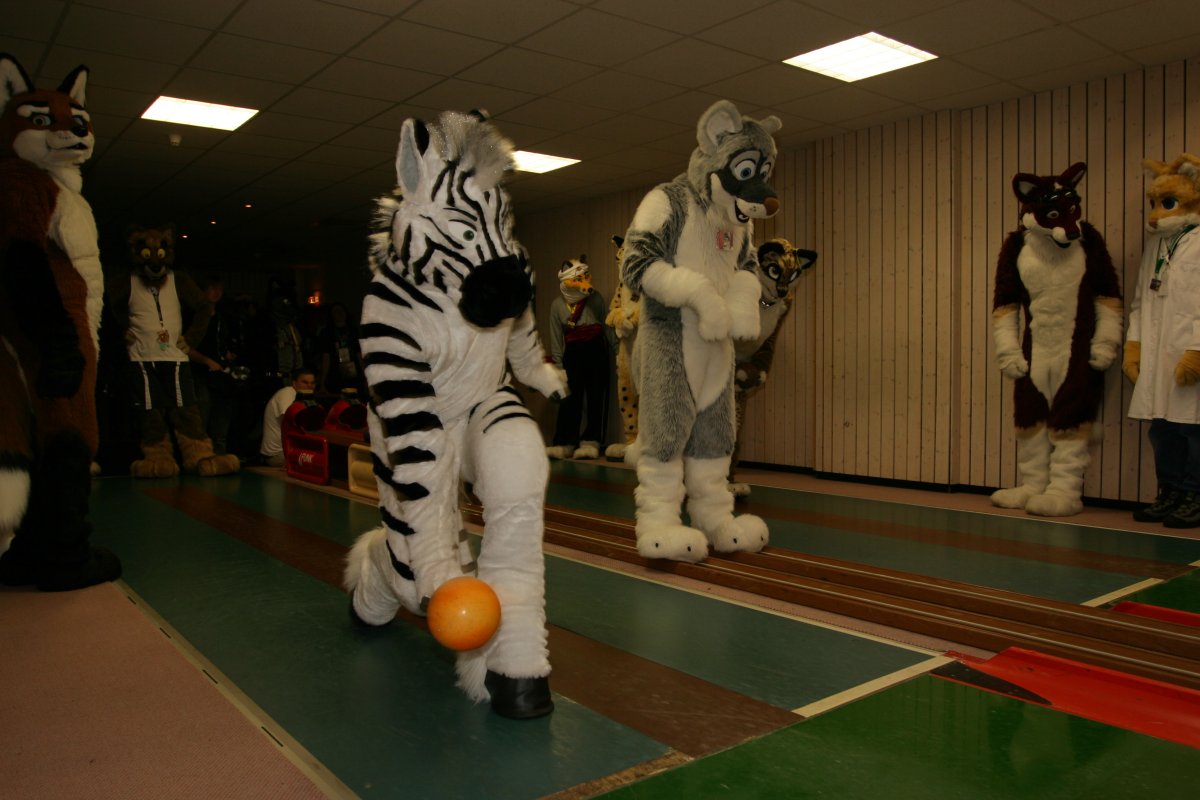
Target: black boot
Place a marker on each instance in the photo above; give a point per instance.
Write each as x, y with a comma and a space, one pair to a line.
519, 698
1186, 514
1168, 498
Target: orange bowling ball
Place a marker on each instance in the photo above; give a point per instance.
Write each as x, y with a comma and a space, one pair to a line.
463, 613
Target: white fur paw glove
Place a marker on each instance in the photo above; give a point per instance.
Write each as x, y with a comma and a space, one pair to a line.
1102, 355
1013, 365
715, 321
551, 380
744, 292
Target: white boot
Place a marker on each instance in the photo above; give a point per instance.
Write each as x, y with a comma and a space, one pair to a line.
560, 451
1033, 469
587, 450
659, 497
615, 451
710, 506
1068, 463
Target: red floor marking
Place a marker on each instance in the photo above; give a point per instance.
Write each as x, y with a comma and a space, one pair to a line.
1138, 704
1158, 612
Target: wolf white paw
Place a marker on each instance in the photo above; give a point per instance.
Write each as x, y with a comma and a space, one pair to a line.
615, 451
587, 450
560, 451
746, 532
1016, 497
674, 542
1053, 504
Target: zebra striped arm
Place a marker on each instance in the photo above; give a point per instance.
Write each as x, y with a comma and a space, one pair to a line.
528, 359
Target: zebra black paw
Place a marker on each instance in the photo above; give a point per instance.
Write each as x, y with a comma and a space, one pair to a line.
519, 698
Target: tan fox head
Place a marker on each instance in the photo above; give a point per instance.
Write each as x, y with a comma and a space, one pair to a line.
1174, 193
48, 127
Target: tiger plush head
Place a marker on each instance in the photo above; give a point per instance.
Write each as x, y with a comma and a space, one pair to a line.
49, 128
1050, 204
779, 266
448, 229
733, 162
1174, 193
151, 252
575, 279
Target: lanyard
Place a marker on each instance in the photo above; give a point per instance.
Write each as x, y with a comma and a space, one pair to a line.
1163, 259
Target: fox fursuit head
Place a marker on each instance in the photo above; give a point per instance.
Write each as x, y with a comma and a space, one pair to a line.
689, 256
447, 313
51, 291
1056, 271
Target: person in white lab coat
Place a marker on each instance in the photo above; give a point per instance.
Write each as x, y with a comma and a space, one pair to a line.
1162, 350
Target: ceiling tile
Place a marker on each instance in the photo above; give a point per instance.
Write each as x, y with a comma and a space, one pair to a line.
1034, 53
122, 34
154, 135
598, 38
107, 100
243, 141
388, 8
772, 85
619, 91
1076, 73
287, 126
405, 44
692, 63
371, 79
639, 158
524, 69
881, 117
304, 23
683, 108
241, 163
162, 153
574, 145
106, 69
781, 30
1070, 10
631, 129
869, 14
364, 138
32, 20
394, 117
456, 95
483, 18
305, 102
1164, 52
209, 14
927, 81
555, 115
1140, 25
254, 58
966, 26
838, 105
984, 95
235, 90
27, 52
347, 156
681, 16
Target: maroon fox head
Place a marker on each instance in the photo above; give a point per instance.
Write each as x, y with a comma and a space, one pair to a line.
1050, 204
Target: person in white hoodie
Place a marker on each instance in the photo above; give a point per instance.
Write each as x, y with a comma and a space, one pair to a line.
1162, 349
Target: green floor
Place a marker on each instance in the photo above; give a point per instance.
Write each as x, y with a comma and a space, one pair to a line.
379, 709
1181, 594
931, 738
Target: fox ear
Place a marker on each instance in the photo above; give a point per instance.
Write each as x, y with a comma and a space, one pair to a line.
75, 85
806, 258
1157, 167
618, 240
722, 117
1024, 184
410, 165
13, 79
1073, 174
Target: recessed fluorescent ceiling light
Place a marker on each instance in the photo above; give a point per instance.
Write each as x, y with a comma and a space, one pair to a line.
540, 162
194, 112
860, 57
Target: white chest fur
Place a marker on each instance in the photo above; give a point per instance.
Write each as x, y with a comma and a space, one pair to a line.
73, 228
1052, 276
710, 248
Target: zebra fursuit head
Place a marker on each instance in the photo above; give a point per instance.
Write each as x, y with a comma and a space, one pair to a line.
447, 229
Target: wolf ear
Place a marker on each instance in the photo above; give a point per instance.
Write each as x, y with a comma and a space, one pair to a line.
13, 79
75, 85
721, 118
410, 166
770, 124
1073, 174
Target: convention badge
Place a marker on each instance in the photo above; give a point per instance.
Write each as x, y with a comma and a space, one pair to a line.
164, 339
724, 240
1161, 288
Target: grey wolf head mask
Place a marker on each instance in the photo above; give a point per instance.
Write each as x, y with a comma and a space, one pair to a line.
733, 162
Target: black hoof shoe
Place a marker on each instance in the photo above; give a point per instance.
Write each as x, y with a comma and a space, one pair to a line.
519, 698
100, 566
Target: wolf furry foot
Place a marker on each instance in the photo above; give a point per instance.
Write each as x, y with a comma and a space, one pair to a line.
674, 542
1052, 504
746, 532
1016, 497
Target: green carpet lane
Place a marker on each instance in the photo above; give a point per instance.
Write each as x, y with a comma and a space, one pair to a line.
931, 738
1038, 578
790, 664
1181, 594
377, 707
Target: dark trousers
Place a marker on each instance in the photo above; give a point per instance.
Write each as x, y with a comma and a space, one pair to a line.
587, 369
1176, 454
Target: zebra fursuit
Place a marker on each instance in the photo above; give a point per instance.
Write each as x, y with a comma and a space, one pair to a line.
447, 312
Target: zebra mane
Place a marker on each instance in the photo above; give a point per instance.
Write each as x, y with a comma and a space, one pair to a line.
379, 242
475, 144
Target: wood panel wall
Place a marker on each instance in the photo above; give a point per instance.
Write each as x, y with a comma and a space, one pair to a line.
885, 366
